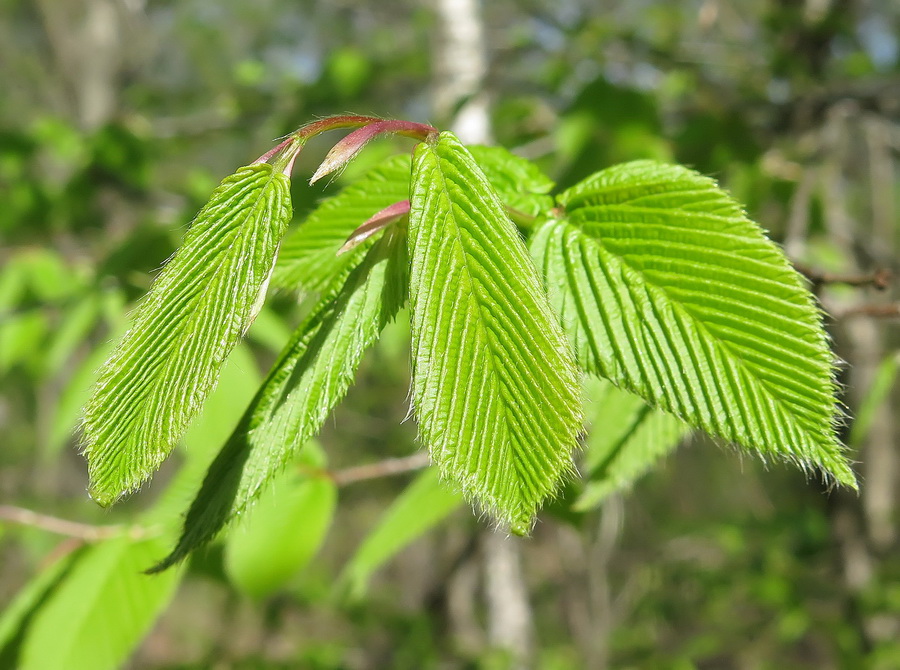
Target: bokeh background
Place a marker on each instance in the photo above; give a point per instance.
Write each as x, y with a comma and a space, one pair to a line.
118, 117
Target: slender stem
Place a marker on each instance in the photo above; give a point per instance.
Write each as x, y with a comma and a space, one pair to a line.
386, 468
52, 524
88, 533
880, 279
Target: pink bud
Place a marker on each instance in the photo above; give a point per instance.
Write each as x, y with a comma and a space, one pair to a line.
377, 222
344, 151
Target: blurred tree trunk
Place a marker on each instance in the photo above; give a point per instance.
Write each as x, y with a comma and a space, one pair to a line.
88, 40
460, 60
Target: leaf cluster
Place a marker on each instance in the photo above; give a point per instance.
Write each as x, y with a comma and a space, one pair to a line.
645, 275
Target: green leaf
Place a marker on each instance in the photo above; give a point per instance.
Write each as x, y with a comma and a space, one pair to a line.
625, 440
100, 611
311, 376
308, 261
19, 613
281, 533
667, 289
423, 504
495, 389
195, 313
221, 413
519, 182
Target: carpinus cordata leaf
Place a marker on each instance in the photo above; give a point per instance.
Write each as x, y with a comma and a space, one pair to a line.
195, 313
495, 387
311, 376
670, 291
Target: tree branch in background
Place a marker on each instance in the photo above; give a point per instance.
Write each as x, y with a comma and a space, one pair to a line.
879, 279
386, 468
82, 531
86, 532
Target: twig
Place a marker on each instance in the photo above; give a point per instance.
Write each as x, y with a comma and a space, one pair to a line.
52, 524
880, 279
888, 311
385, 468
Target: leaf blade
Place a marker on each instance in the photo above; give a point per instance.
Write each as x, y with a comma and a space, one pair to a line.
309, 261
667, 289
495, 391
311, 376
195, 313
625, 440
102, 609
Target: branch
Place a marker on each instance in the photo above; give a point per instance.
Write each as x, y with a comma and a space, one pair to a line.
52, 524
880, 279
888, 311
385, 468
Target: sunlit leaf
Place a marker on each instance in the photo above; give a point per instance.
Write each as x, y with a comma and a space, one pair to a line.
310, 378
195, 313
495, 389
667, 289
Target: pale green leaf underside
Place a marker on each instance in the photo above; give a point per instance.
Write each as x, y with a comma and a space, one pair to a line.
422, 505
308, 260
667, 289
626, 438
495, 389
194, 314
311, 376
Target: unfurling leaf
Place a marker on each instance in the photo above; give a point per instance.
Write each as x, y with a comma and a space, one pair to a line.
495, 389
195, 313
667, 289
309, 260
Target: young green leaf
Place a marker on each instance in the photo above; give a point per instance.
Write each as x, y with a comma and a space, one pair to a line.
103, 608
626, 438
195, 313
281, 533
423, 504
309, 379
495, 389
309, 260
518, 181
667, 289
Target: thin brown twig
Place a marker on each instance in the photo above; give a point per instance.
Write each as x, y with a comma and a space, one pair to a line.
386, 468
887, 311
89, 533
52, 524
879, 279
